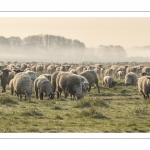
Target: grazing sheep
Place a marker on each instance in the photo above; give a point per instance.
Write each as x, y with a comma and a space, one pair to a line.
131, 79
144, 86
23, 66
69, 84
120, 74
4, 79
48, 76
64, 68
109, 72
85, 85
102, 70
39, 68
41, 86
146, 70
11, 86
32, 75
53, 80
97, 71
109, 81
91, 76
73, 71
51, 69
131, 69
79, 69
33, 68
22, 84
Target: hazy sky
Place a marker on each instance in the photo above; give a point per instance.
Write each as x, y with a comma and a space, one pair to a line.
93, 32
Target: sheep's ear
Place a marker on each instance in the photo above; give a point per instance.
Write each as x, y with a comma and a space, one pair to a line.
148, 77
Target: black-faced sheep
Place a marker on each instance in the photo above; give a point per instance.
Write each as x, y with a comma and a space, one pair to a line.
4, 79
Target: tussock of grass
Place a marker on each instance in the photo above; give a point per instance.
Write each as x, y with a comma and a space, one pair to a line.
59, 117
7, 100
32, 112
57, 108
91, 102
93, 113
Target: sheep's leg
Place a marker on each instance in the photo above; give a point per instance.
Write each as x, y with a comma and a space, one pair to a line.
143, 94
89, 88
36, 94
41, 95
12, 91
97, 87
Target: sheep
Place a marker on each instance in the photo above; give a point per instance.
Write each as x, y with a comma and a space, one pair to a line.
64, 68
120, 74
53, 80
48, 76
109, 81
79, 69
22, 84
42, 85
97, 71
32, 74
102, 70
51, 69
144, 86
109, 72
131, 79
11, 86
33, 68
85, 85
131, 69
73, 71
23, 66
39, 68
4, 79
146, 70
69, 84
91, 76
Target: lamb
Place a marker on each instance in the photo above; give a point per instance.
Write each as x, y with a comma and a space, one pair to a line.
70, 84
91, 76
42, 85
4, 79
109, 81
22, 84
144, 86
131, 79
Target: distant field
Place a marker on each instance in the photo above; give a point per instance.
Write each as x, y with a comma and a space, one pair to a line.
120, 109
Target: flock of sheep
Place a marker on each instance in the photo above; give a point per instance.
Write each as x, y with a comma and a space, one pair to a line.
73, 79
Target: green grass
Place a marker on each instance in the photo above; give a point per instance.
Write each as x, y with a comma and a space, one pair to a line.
114, 110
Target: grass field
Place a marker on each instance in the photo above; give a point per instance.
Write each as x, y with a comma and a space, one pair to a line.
119, 109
